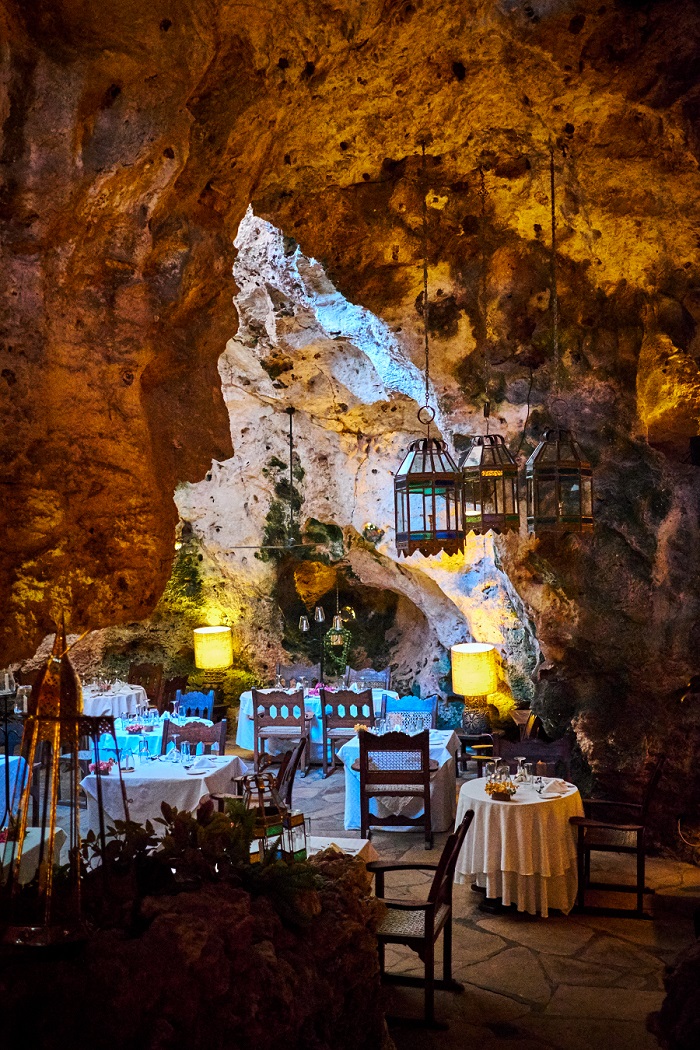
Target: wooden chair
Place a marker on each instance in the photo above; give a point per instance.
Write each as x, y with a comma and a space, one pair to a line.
171, 687
528, 723
150, 676
194, 704
418, 924
341, 711
295, 672
368, 678
395, 765
195, 733
474, 748
284, 777
279, 716
619, 827
556, 753
412, 705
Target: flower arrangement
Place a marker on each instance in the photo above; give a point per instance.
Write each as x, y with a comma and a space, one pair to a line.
103, 768
360, 727
135, 728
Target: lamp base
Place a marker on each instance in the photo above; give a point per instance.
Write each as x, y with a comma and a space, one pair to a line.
475, 716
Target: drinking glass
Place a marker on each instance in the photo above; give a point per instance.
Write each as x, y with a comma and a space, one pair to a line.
186, 754
528, 772
144, 753
278, 681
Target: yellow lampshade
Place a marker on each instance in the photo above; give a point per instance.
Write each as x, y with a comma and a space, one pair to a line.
213, 648
474, 670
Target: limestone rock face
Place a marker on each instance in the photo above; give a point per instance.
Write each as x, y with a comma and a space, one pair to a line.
134, 146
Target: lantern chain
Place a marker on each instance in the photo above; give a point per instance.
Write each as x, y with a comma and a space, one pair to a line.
424, 193
554, 299
484, 304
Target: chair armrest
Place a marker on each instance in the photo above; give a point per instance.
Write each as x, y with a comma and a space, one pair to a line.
586, 822
406, 905
609, 802
380, 865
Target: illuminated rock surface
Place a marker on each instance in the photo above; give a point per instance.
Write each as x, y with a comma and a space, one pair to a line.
134, 146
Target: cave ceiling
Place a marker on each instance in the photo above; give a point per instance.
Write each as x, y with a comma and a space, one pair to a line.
134, 143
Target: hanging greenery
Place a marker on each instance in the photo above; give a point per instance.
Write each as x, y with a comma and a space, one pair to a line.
336, 656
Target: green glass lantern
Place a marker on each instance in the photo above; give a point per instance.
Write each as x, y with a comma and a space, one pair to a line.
559, 486
428, 500
489, 486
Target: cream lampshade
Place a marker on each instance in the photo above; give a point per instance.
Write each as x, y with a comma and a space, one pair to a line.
213, 648
474, 670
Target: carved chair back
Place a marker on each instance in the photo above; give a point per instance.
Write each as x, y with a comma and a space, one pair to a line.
554, 752
368, 678
171, 686
150, 676
345, 708
195, 733
194, 704
295, 672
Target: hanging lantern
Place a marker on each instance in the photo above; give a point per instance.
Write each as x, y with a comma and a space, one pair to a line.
428, 500
489, 486
277, 832
559, 486
427, 485
336, 635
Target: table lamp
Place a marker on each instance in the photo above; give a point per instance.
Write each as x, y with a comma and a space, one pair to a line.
213, 653
474, 676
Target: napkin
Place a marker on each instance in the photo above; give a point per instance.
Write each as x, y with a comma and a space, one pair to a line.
555, 787
201, 765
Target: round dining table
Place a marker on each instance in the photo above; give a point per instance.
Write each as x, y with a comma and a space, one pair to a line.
522, 851
120, 700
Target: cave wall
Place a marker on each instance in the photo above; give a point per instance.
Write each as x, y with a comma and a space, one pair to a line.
132, 149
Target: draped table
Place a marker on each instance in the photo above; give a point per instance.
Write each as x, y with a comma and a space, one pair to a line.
158, 781
124, 701
17, 778
30, 853
244, 732
444, 745
524, 850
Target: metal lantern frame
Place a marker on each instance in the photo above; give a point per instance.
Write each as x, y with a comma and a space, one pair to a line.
559, 486
489, 486
277, 830
428, 500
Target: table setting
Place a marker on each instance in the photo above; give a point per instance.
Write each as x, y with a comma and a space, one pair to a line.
521, 848
443, 744
116, 699
141, 732
312, 704
180, 778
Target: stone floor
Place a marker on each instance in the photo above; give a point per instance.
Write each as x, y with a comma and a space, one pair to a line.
562, 983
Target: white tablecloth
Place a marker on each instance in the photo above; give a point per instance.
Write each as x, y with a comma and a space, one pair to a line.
244, 733
30, 853
523, 851
154, 782
18, 778
444, 745
124, 702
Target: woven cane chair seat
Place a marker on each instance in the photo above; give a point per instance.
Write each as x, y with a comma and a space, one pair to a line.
399, 923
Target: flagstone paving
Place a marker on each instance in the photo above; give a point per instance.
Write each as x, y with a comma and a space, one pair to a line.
563, 983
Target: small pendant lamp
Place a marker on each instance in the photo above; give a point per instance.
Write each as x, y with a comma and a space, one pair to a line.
559, 479
427, 485
489, 471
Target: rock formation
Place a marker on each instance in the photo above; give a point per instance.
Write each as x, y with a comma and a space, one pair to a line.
134, 147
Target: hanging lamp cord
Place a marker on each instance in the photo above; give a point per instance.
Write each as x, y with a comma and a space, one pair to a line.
291, 411
424, 193
554, 299
484, 306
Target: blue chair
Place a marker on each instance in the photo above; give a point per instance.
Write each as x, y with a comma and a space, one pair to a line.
194, 705
411, 704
